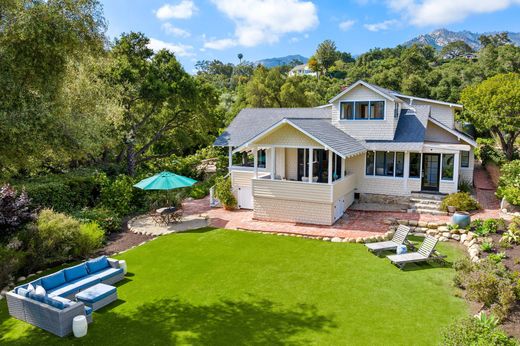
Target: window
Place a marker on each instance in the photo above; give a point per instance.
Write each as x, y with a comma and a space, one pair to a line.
362, 110
377, 110
347, 110
464, 158
380, 163
447, 166
399, 164
396, 110
261, 158
389, 164
370, 163
415, 165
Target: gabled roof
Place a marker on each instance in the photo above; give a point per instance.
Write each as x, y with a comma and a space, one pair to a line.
391, 94
253, 121
388, 94
321, 131
460, 135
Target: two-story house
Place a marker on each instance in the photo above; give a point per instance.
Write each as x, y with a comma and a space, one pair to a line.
309, 164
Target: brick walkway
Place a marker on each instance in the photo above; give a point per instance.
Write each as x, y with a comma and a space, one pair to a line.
353, 225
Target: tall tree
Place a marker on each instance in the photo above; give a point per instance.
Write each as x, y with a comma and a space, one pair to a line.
39, 41
327, 54
164, 108
494, 105
496, 40
456, 49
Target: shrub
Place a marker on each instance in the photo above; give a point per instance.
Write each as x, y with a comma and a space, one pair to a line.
460, 200
10, 261
509, 182
497, 257
487, 151
465, 186
470, 331
486, 246
224, 194
120, 195
15, 210
63, 192
89, 238
108, 220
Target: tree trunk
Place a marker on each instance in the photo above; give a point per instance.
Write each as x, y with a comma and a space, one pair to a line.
131, 155
507, 144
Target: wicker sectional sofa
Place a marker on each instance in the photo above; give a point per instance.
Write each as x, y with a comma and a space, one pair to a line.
55, 310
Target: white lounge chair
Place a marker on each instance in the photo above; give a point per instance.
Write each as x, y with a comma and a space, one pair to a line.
399, 238
425, 253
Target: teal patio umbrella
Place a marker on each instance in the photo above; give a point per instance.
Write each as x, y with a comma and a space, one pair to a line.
165, 181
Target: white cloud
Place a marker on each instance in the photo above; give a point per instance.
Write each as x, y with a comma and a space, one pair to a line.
173, 30
347, 24
387, 24
179, 49
440, 12
220, 44
183, 10
265, 21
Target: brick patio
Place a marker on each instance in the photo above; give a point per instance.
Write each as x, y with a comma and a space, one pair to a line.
354, 224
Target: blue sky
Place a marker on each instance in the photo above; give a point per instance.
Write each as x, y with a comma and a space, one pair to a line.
220, 29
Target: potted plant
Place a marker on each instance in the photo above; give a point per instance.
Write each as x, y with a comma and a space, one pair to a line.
224, 194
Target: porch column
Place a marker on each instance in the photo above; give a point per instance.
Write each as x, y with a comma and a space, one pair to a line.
273, 162
406, 171
456, 169
330, 166
255, 158
230, 157
311, 163
343, 161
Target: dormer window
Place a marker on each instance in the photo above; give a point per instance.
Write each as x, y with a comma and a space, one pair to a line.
362, 110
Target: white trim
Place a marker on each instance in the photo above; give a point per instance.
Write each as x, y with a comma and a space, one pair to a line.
367, 86
354, 110
453, 132
280, 123
455, 105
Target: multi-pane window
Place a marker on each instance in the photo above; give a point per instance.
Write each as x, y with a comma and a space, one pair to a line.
396, 110
261, 158
347, 110
362, 110
370, 163
447, 166
415, 165
389, 164
464, 158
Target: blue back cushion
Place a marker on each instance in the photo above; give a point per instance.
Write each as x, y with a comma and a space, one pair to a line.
97, 264
53, 280
75, 272
22, 291
54, 303
36, 297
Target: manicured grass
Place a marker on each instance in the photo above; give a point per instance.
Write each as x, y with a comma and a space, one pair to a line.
221, 287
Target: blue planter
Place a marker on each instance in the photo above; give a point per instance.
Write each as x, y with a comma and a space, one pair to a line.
461, 218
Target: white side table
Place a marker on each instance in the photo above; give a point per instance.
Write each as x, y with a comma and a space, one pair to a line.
79, 326
122, 264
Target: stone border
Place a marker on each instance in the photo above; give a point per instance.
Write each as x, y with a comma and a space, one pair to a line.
132, 229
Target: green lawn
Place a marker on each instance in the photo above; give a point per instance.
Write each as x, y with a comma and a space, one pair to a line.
221, 287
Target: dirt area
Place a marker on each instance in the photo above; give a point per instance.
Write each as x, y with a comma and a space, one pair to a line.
118, 242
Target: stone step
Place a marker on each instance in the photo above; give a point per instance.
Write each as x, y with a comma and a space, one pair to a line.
428, 206
432, 212
437, 197
425, 201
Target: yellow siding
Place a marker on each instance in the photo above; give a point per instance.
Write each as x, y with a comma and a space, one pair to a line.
287, 135
291, 163
280, 163
292, 190
344, 186
445, 114
435, 133
365, 129
271, 209
241, 178
466, 173
447, 187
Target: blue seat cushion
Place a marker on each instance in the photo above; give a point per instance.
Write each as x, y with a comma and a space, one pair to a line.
108, 273
54, 280
88, 310
71, 288
97, 264
58, 304
95, 293
76, 272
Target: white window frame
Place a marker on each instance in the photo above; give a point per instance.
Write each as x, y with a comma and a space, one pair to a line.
354, 110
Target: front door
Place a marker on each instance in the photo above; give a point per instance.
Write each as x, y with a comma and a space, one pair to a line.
431, 169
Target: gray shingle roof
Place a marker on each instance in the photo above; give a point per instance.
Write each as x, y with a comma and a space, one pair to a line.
252, 121
331, 136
